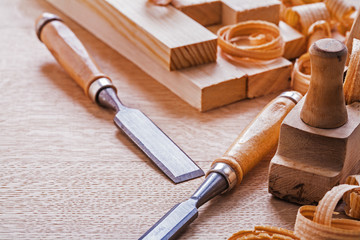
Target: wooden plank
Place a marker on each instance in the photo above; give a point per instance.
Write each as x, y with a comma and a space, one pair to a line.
265, 77
295, 42
205, 12
156, 31
204, 87
234, 11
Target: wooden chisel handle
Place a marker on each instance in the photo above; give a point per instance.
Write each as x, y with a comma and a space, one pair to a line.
69, 52
260, 136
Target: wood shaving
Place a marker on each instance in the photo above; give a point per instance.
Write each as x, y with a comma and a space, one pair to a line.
252, 39
303, 16
342, 12
301, 74
317, 223
264, 232
352, 199
161, 2
352, 79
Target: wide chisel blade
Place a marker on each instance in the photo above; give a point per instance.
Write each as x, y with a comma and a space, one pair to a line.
72, 55
157, 145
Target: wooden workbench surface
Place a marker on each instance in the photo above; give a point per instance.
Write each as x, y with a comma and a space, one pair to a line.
67, 172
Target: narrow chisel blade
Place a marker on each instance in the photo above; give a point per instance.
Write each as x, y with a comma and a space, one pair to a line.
157, 146
173, 222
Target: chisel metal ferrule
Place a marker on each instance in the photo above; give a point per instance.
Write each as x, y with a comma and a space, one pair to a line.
227, 172
292, 95
98, 85
45, 19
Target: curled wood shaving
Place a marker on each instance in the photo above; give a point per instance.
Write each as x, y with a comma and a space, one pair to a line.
352, 79
341, 11
320, 26
303, 16
301, 74
354, 33
264, 232
161, 2
317, 223
290, 3
318, 30
352, 199
252, 39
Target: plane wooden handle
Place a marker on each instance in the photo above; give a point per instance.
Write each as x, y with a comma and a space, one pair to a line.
258, 139
68, 50
324, 105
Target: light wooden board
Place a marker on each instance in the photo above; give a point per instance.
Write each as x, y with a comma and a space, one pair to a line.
295, 42
234, 11
66, 172
205, 12
265, 77
155, 30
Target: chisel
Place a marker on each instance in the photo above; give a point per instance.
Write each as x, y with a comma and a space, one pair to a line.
258, 139
74, 58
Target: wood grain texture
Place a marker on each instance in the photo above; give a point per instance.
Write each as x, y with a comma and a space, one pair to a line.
234, 11
205, 12
155, 30
265, 77
295, 42
56, 183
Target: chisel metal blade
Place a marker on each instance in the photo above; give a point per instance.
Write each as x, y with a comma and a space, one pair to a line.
181, 215
157, 145
173, 222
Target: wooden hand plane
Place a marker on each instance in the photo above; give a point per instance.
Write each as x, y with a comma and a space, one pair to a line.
319, 139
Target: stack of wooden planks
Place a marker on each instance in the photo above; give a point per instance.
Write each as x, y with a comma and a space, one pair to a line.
179, 52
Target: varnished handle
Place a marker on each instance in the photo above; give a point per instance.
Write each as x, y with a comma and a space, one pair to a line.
324, 105
69, 51
260, 136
